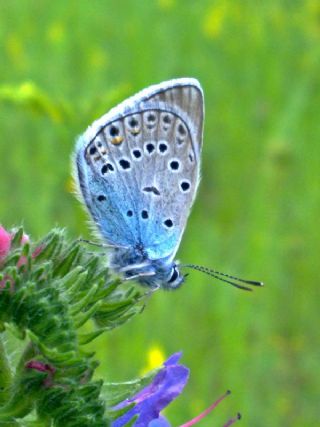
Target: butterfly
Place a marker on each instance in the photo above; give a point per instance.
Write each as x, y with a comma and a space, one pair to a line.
137, 170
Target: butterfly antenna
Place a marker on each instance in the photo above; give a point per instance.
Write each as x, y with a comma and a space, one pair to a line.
224, 277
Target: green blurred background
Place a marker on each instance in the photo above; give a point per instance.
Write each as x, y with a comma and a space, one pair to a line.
63, 64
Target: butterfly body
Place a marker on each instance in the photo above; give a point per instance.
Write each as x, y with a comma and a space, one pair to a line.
138, 169
134, 263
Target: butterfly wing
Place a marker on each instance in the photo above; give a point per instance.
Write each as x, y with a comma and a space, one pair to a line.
138, 166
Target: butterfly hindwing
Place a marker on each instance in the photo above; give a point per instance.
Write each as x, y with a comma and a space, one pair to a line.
138, 166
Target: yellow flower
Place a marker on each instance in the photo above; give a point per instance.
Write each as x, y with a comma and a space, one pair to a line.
15, 50
98, 58
56, 33
214, 20
155, 358
166, 4
70, 186
313, 8
311, 19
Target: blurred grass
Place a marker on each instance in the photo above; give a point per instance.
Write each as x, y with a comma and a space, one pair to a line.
64, 64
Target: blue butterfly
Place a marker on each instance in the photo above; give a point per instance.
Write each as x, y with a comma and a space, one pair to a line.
138, 171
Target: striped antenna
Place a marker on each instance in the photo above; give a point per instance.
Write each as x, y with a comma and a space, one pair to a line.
224, 277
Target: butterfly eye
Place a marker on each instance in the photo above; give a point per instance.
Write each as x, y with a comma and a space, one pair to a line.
174, 275
176, 279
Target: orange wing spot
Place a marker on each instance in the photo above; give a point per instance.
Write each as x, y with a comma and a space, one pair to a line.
135, 131
116, 140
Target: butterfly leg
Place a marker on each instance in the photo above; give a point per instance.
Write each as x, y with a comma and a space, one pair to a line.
134, 267
101, 245
139, 275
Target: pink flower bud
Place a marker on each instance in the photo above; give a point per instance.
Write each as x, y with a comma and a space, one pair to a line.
5, 243
25, 239
43, 367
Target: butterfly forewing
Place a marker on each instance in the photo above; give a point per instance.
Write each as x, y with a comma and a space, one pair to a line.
138, 166
185, 95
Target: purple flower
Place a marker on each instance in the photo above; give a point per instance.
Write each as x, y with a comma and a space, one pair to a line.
159, 422
151, 400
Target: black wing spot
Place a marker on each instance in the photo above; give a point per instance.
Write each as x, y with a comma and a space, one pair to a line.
133, 122
129, 213
151, 120
150, 147
166, 119
180, 139
152, 189
182, 130
134, 126
107, 167
137, 153
101, 198
174, 165
168, 223
114, 130
104, 169
92, 150
125, 164
191, 158
163, 147
185, 186
144, 214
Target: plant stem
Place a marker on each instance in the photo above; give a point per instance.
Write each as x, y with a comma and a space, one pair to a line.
5, 375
